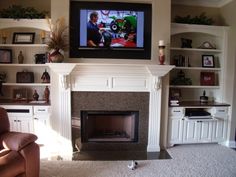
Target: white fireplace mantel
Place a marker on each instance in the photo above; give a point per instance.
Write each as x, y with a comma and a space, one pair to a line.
65, 69
108, 77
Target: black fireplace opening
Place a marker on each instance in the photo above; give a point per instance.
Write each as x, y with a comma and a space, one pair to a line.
109, 126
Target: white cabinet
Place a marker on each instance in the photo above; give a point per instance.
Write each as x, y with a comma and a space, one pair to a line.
176, 126
30, 119
41, 119
196, 131
20, 118
183, 129
21, 124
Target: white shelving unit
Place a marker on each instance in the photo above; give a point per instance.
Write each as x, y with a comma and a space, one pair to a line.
216, 35
183, 129
9, 26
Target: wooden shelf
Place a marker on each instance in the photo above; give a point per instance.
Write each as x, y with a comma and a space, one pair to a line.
195, 86
26, 84
197, 68
23, 45
196, 49
20, 65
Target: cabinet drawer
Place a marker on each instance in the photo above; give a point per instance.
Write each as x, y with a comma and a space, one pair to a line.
18, 110
177, 111
41, 110
220, 110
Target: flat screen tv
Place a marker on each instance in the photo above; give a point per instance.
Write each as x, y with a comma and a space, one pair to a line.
110, 30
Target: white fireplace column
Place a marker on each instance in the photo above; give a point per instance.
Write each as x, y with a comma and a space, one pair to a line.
107, 77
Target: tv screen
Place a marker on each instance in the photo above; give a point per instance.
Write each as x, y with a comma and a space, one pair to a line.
110, 30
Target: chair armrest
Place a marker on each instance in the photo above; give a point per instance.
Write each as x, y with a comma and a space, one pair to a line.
16, 140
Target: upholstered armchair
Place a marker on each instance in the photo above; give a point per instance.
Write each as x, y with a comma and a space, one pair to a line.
19, 154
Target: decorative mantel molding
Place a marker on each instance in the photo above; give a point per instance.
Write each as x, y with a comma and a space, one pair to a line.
63, 69
108, 77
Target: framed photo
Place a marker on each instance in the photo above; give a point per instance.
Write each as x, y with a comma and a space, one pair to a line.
23, 38
175, 94
5, 56
208, 61
207, 78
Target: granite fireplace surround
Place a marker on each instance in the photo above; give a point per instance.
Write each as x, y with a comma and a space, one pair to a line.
112, 101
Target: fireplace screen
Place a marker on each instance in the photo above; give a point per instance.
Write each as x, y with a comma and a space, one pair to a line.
109, 126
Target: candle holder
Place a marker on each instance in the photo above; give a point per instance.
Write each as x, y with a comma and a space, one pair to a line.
43, 36
4, 40
161, 47
43, 40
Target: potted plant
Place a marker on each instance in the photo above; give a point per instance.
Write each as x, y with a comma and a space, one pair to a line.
57, 43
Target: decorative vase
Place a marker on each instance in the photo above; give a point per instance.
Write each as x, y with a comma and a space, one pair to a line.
46, 94
56, 57
20, 58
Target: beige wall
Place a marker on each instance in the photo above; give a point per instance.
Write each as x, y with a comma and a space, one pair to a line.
228, 16
160, 26
42, 5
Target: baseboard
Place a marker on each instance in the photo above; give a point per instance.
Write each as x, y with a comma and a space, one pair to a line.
230, 144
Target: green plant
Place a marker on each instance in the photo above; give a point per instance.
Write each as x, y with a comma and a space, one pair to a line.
201, 19
18, 12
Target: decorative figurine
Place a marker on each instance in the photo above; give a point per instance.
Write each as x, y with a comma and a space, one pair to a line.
45, 77
46, 94
35, 96
20, 58
161, 52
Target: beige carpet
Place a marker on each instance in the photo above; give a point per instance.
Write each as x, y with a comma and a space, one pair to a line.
206, 160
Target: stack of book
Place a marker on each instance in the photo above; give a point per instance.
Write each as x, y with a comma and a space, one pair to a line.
174, 102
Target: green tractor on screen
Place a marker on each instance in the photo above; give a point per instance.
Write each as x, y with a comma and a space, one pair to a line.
127, 25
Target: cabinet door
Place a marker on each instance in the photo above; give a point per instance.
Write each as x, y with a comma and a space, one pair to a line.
219, 131
13, 123
176, 130
25, 124
40, 129
191, 131
205, 131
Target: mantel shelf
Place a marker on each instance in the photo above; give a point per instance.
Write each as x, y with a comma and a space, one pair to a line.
66, 68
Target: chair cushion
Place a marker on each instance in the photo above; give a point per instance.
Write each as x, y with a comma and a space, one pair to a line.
11, 164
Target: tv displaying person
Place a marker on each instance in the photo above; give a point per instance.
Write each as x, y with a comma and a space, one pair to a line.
93, 34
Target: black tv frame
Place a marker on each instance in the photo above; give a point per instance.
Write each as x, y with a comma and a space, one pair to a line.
110, 53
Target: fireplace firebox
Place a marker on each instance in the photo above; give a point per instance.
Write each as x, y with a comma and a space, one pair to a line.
109, 126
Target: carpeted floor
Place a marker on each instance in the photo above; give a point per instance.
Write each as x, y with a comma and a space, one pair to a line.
205, 160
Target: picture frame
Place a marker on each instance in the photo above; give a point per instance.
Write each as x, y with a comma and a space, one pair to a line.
208, 61
207, 78
5, 56
23, 38
175, 94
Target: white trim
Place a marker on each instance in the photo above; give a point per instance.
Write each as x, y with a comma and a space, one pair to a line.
230, 144
204, 3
